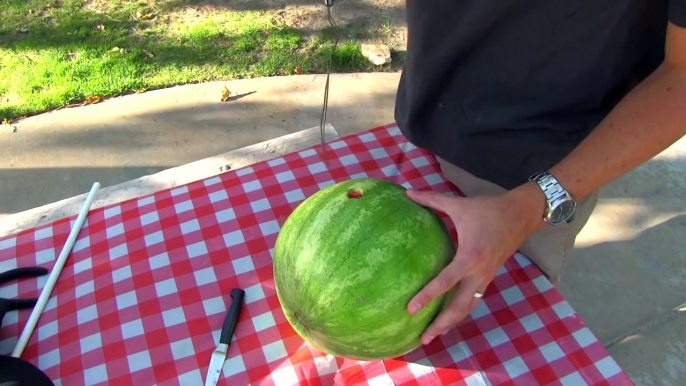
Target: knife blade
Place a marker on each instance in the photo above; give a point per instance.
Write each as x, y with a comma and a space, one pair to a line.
219, 354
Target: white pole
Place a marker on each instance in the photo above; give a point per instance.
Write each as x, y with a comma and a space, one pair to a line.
52, 279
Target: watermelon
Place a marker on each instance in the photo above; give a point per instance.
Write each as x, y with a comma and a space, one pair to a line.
348, 260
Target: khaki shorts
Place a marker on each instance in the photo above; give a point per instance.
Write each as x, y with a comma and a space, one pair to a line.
548, 248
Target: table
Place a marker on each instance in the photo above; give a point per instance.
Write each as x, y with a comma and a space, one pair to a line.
142, 298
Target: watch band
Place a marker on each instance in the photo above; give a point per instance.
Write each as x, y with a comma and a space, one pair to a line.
550, 186
555, 194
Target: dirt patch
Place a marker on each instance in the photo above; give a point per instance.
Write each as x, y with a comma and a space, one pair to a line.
380, 21
367, 21
370, 21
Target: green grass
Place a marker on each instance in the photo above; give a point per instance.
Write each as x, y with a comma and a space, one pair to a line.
53, 54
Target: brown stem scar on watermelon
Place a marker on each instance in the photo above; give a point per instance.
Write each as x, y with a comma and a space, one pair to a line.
355, 193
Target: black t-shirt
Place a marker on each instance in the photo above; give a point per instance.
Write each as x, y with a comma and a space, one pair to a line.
505, 88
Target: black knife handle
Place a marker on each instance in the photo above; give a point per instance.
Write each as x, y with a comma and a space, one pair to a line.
232, 315
18, 273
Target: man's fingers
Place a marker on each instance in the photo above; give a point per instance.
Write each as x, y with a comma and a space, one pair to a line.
445, 280
435, 200
462, 304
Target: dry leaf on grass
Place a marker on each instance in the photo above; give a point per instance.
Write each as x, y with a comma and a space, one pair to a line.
116, 51
92, 100
144, 15
298, 71
147, 55
9, 98
225, 94
140, 91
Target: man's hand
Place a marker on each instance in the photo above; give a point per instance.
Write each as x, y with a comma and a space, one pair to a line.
490, 230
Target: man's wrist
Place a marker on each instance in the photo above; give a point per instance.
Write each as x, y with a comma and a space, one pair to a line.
530, 203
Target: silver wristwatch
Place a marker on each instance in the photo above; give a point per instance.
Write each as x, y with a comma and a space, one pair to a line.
561, 205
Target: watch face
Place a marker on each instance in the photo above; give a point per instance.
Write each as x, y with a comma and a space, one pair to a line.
562, 212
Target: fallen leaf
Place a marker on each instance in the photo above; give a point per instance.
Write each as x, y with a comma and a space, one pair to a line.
92, 100
178, 39
147, 55
145, 15
116, 50
100, 27
140, 91
9, 98
298, 71
225, 94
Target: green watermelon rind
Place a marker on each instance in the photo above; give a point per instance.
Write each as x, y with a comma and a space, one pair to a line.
328, 313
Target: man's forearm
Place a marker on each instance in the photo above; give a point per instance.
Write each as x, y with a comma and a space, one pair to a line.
646, 122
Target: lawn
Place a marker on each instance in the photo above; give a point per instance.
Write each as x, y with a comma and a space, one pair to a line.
69, 52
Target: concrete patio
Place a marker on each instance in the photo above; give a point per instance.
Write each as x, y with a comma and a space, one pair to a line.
627, 279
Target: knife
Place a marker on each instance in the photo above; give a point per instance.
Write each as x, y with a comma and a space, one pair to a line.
219, 354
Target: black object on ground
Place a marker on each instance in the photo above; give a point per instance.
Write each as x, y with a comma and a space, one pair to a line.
16, 371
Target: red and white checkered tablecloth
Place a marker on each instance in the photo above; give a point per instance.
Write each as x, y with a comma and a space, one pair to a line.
142, 298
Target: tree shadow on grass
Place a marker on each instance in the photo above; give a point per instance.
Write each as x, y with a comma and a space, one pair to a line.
62, 55
50, 23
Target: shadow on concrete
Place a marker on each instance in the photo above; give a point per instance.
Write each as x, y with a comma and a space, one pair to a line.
627, 291
240, 96
620, 286
657, 355
143, 143
665, 175
168, 115
22, 187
